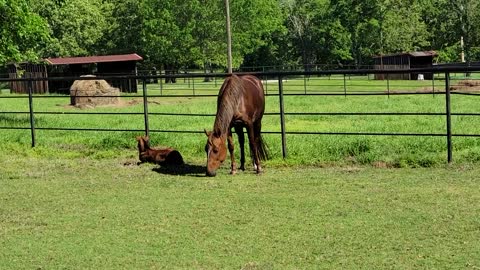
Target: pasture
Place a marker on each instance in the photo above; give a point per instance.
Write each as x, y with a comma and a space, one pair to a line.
388, 151
110, 214
78, 199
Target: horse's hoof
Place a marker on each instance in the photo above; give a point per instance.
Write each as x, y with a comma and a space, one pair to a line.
233, 172
242, 168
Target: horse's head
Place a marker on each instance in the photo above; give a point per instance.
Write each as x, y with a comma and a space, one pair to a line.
216, 152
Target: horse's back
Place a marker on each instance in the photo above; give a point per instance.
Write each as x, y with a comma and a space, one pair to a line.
242, 97
253, 82
253, 95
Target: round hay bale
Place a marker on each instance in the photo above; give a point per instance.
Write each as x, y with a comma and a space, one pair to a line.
86, 93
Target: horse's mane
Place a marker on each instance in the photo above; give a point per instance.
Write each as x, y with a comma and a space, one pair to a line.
228, 99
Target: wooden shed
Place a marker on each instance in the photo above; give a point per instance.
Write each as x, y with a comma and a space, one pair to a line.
27, 70
106, 65
422, 59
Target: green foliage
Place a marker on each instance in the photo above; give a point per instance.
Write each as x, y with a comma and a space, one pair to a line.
77, 26
181, 33
123, 34
184, 34
22, 32
403, 29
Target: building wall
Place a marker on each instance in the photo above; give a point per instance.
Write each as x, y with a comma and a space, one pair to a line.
26, 70
404, 61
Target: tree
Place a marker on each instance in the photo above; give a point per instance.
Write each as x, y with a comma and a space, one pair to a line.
123, 34
209, 33
22, 32
317, 36
77, 26
167, 33
402, 27
467, 25
362, 20
299, 24
179, 33
253, 22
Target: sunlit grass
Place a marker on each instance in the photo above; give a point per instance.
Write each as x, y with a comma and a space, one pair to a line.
78, 199
109, 213
301, 149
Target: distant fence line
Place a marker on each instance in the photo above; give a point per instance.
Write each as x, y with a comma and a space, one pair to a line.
440, 73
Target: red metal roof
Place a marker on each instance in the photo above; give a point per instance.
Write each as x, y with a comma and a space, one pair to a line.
94, 59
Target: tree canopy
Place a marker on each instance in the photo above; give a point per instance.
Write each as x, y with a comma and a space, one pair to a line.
23, 33
182, 34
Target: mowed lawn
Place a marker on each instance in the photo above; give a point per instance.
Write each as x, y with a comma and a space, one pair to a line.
85, 213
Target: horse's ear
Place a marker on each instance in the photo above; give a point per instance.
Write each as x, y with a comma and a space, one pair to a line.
208, 133
138, 138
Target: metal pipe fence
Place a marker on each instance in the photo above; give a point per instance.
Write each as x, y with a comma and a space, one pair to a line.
298, 88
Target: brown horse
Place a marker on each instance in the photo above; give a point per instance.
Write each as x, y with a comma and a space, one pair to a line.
164, 156
240, 103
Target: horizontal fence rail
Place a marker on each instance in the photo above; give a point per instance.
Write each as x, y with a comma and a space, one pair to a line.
274, 87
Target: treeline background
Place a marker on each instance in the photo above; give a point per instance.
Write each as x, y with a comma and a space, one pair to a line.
173, 34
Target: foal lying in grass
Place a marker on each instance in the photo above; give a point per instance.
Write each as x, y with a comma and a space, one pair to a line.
164, 156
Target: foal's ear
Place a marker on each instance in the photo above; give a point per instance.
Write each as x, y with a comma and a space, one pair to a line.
138, 138
208, 133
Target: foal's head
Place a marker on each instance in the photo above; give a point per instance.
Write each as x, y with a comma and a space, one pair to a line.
216, 152
143, 143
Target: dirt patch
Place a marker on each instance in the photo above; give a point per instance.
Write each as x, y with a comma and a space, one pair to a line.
120, 104
458, 86
466, 85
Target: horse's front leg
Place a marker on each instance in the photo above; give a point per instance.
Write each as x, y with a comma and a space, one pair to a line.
233, 169
241, 142
253, 148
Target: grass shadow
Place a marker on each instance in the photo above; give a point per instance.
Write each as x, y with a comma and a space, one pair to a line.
14, 120
185, 169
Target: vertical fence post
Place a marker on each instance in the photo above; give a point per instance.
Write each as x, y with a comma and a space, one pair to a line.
145, 107
193, 84
266, 81
30, 105
305, 84
388, 86
266, 85
433, 83
345, 85
161, 83
282, 116
448, 114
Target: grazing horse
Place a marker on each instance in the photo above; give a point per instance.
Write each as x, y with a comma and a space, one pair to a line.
240, 103
164, 156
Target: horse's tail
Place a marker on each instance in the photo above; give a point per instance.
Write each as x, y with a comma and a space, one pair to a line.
262, 149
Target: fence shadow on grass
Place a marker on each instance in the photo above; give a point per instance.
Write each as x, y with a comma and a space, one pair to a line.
185, 169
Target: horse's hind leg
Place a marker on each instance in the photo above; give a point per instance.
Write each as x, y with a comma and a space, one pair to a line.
253, 148
241, 142
231, 149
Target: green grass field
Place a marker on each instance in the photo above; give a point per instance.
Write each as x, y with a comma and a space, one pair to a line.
78, 200
86, 213
390, 151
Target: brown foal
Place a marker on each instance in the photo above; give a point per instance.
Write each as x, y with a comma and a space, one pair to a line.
163, 156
